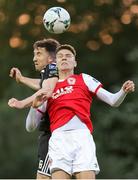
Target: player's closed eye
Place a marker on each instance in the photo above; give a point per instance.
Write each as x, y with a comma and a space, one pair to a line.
64, 55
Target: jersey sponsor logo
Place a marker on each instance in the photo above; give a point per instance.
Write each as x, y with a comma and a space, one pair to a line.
71, 80
52, 66
62, 91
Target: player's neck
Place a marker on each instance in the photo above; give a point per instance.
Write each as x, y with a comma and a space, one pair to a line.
65, 74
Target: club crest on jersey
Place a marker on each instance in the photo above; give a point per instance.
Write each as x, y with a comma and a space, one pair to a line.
71, 81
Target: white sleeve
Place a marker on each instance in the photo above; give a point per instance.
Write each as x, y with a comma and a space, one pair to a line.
34, 117
110, 98
92, 83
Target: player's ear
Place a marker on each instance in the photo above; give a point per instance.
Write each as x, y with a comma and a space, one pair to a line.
50, 59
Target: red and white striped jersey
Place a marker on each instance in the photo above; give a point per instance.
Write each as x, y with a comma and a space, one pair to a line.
71, 97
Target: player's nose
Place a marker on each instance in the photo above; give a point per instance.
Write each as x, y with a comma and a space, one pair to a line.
34, 59
64, 59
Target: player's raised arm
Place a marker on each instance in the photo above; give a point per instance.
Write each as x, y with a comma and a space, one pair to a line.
27, 102
46, 92
49, 86
30, 82
113, 99
117, 98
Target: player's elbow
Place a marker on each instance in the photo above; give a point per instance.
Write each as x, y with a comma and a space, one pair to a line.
29, 128
114, 104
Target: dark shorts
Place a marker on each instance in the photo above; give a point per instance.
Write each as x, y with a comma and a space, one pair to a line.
43, 158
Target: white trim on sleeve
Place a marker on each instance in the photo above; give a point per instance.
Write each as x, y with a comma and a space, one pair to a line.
92, 83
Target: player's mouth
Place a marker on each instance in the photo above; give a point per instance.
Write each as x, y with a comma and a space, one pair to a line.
64, 63
36, 64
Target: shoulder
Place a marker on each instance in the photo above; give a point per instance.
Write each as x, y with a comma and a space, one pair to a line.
86, 76
89, 77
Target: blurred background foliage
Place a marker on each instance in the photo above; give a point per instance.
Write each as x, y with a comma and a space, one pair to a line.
104, 33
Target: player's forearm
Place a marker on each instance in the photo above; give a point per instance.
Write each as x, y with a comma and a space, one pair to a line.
49, 85
27, 102
112, 99
118, 98
32, 83
33, 119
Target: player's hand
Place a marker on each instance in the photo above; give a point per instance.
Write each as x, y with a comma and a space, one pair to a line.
40, 98
128, 86
38, 101
15, 103
16, 73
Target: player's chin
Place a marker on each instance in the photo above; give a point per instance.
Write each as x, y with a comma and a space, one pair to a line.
37, 68
65, 67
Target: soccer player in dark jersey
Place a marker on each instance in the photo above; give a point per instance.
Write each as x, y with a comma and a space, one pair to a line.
44, 61
71, 146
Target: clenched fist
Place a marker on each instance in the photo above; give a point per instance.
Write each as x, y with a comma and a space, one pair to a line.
16, 73
128, 86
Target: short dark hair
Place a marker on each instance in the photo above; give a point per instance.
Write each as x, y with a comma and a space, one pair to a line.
49, 44
66, 46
